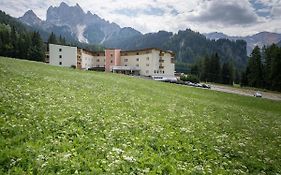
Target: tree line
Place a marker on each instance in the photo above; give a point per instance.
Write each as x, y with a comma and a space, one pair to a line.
21, 44
264, 68
211, 69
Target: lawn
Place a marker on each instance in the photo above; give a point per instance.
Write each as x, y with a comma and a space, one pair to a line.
63, 121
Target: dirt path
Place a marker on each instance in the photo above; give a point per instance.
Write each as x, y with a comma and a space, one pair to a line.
247, 92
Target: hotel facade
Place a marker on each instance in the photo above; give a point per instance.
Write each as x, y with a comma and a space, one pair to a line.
145, 62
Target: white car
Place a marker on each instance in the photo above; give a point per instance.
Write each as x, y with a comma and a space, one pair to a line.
258, 94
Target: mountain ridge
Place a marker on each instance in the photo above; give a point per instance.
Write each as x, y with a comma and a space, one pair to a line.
260, 39
74, 22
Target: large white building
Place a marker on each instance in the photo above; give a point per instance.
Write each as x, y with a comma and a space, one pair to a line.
146, 62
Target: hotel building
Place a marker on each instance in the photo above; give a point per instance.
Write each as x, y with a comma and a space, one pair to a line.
146, 62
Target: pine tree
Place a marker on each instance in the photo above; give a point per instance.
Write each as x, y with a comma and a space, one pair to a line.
14, 43
52, 39
62, 40
227, 74
37, 50
214, 68
275, 73
255, 76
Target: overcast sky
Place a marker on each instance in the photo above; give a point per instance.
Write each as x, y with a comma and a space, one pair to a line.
232, 17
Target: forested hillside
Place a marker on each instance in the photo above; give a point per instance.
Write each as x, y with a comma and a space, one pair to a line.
189, 46
17, 40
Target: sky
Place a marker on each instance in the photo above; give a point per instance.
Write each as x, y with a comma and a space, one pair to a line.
232, 17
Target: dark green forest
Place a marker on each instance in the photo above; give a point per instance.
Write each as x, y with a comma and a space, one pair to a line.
19, 42
264, 68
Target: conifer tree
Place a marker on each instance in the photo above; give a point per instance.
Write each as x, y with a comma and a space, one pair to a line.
52, 39
254, 76
37, 50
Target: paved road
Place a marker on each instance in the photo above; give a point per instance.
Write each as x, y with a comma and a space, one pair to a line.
247, 92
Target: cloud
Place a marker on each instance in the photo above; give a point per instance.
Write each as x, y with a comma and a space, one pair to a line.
276, 11
231, 12
135, 12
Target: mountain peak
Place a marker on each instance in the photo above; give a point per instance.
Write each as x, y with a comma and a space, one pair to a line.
64, 12
30, 12
63, 4
30, 18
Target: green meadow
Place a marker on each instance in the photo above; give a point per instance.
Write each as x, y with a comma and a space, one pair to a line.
57, 120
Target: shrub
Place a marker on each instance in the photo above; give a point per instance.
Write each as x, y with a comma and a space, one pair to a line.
191, 78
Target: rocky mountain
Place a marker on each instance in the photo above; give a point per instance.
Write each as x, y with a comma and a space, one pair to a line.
31, 19
73, 23
260, 39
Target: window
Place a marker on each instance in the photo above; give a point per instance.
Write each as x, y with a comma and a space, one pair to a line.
111, 61
60, 63
155, 71
98, 54
158, 71
59, 49
98, 65
137, 53
172, 60
163, 72
111, 55
147, 71
147, 64
147, 58
98, 60
125, 60
137, 65
125, 64
60, 56
47, 56
138, 59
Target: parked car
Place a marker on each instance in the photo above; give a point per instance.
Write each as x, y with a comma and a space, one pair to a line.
191, 84
165, 79
206, 86
258, 94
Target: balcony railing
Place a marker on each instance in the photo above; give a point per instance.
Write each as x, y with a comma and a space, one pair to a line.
161, 54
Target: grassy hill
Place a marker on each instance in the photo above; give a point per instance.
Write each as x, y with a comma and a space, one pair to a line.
59, 120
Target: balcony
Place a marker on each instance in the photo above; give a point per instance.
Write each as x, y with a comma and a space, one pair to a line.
161, 60
161, 67
161, 54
